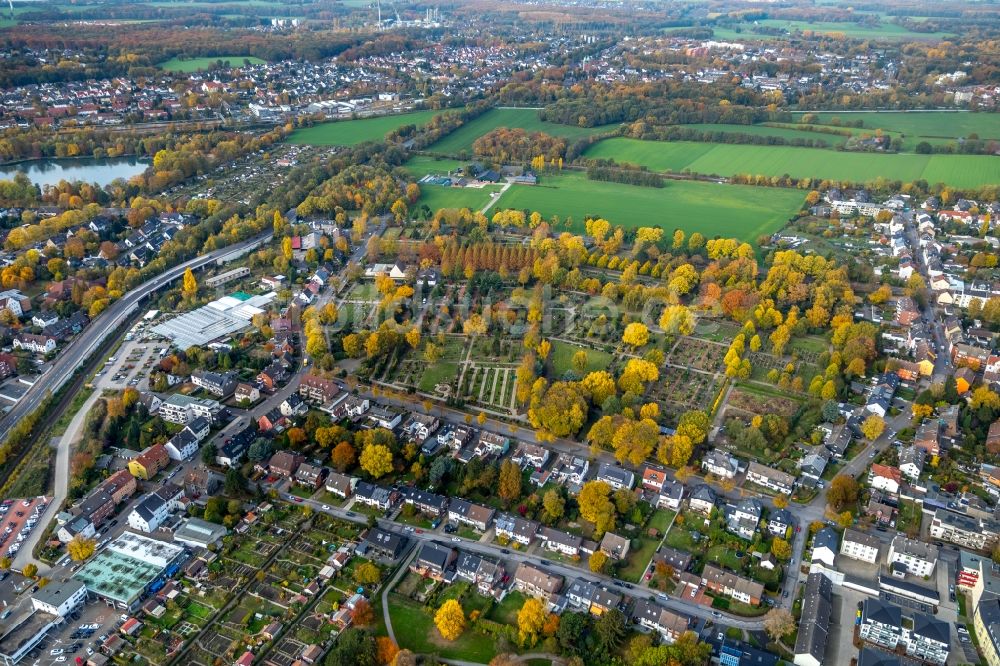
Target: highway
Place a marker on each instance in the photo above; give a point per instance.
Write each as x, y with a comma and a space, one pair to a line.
84, 345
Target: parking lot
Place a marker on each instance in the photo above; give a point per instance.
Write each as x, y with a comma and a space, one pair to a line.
80, 636
19, 518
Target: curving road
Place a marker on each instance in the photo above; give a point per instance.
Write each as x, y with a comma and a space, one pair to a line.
79, 351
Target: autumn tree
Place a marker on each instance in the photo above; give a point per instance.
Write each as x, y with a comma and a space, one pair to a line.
553, 505
376, 459
386, 650
872, 427
596, 505
509, 487
598, 561
362, 614
779, 622
367, 573
450, 620
530, 620
343, 456
843, 491
29, 570
781, 549
677, 320
694, 424
636, 335
559, 411
80, 548
190, 284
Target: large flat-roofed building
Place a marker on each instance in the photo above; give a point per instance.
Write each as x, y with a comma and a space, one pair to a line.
199, 533
214, 321
23, 633
127, 567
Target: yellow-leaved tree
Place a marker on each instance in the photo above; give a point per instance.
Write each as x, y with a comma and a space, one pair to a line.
450, 620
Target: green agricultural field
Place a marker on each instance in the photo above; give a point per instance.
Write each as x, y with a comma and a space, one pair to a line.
729, 159
419, 166
785, 132
725, 210
194, 64
462, 139
886, 30
351, 132
923, 125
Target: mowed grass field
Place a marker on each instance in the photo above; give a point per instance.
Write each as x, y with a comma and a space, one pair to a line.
351, 132
920, 125
713, 209
885, 30
194, 64
461, 140
768, 130
729, 159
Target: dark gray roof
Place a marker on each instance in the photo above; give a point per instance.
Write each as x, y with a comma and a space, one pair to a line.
826, 537
876, 610
872, 657
931, 628
433, 555
815, 622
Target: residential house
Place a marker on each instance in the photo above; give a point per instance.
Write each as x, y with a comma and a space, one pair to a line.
384, 416
149, 514
425, 502
859, 545
272, 420
419, 427
881, 623
814, 623
770, 478
515, 528
929, 640
219, 384
232, 452
927, 437
246, 393
476, 515
812, 467
825, 544
960, 529
486, 574
530, 580
653, 479
182, 409
530, 455
376, 496
616, 477
909, 556
491, 444
614, 546
702, 499
201, 482
284, 464
273, 376
319, 390
37, 344
562, 542
182, 446
720, 464
340, 485
604, 600
381, 544
670, 496
779, 522
310, 476
743, 518
668, 624
570, 471
148, 463
293, 406
433, 560
885, 478
911, 462
732, 585
678, 560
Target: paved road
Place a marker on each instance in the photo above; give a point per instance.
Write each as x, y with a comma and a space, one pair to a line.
83, 347
568, 572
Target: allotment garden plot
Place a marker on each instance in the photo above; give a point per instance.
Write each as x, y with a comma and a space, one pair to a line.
691, 378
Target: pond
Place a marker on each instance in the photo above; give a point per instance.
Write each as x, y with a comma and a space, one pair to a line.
88, 169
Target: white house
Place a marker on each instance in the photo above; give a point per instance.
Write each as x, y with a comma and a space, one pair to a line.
913, 557
884, 477
825, 546
720, 463
149, 514
59, 598
858, 545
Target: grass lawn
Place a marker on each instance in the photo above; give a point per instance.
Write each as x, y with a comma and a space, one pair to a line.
730, 211
730, 159
419, 166
415, 630
351, 132
724, 555
680, 538
506, 610
562, 358
461, 140
885, 31
439, 373
436, 197
194, 64
785, 132
660, 520
638, 558
916, 126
